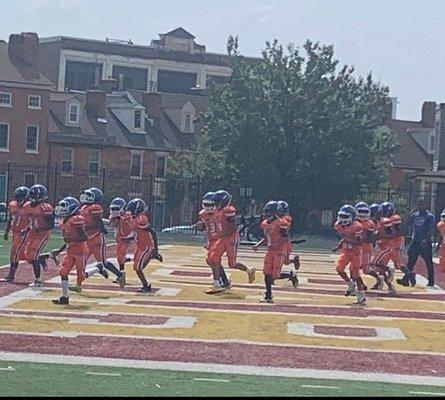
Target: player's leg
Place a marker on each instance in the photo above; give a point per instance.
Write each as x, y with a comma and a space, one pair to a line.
214, 261
80, 261
138, 262
410, 276
378, 264
101, 255
33, 248
67, 264
232, 247
426, 252
355, 265
268, 276
342, 262
18, 244
278, 263
442, 257
94, 245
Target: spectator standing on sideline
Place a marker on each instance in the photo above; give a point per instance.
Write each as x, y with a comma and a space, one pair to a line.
422, 224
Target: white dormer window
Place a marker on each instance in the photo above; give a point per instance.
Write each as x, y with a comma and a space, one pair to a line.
187, 117
431, 142
137, 119
74, 113
35, 102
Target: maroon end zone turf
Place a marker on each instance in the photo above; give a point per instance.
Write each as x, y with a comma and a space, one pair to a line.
228, 353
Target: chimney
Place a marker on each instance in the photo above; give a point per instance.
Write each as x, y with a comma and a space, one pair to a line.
24, 47
109, 85
97, 103
439, 154
428, 114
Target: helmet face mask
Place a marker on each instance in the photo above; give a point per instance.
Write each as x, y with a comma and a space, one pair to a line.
363, 211
117, 207
208, 203
442, 215
21, 194
346, 215
91, 196
283, 208
388, 209
67, 207
270, 210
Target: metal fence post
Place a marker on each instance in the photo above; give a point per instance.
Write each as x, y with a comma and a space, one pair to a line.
8, 182
388, 194
103, 179
198, 197
55, 184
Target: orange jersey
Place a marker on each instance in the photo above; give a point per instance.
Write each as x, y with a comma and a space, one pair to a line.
141, 224
37, 214
227, 217
69, 227
273, 232
212, 224
19, 218
441, 228
396, 221
123, 226
382, 228
288, 219
92, 213
350, 233
369, 228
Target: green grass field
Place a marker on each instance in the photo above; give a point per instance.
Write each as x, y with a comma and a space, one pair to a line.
29, 379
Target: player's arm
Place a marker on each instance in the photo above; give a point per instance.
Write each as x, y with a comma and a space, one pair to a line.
261, 242
50, 221
155, 238
56, 252
337, 246
7, 228
82, 235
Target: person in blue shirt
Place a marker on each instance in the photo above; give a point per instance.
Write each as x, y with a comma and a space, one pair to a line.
422, 225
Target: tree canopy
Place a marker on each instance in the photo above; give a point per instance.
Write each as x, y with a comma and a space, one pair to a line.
296, 126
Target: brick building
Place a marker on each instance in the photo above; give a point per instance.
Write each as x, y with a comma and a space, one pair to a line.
24, 108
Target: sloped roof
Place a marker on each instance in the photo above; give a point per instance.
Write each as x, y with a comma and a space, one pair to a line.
422, 137
180, 33
410, 153
92, 132
19, 73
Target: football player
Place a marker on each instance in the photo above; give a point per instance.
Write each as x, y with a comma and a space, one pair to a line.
228, 240
209, 222
41, 222
351, 233
383, 252
72, 227
18, 222
275, 232
398, 239
145, 246
441, 244
283, 212
122, 222
92, 211
364, 217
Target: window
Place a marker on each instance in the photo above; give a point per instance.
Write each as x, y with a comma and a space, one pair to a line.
131, 78
3, 187
94, 163
4, 136
82, 75
32, 139
138, 119
73, 113
35, 102
67, 160
188, 123
176, 82
30, 179
136, 165
5, 99
160, 167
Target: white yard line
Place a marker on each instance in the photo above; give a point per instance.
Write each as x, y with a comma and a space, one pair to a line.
211, 380
102, 374
225, 369
320, 387
11, 369
429, 393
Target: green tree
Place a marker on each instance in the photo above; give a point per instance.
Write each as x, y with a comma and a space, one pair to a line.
296, 126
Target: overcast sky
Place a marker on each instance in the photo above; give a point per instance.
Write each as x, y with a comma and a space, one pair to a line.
401, 41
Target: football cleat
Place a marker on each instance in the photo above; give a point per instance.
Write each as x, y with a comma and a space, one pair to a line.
391, 289
144, 289
391, 273
42, 260
294, 279
216, 289
121, 280
351, 289
103, 272
296, 262
62, 301
266, 299
403, 281
379, 284
38, 282
157, 256
75, 288
251, 274
361, 299
8, 278
412, 279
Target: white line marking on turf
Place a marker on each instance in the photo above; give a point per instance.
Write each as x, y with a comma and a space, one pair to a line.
211, 380
320, 387
103, 373
429, 393
224, 368
7, 369
159, 386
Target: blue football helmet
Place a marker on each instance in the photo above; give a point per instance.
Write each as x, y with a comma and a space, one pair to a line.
442, 215
376, 211
270, 209
388, 209
67, 207
346, 215
21, 194
92, 196
283, 208
136, 206
208, 202
222, 198
37, 193
117, 207
363, 211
